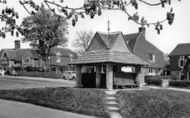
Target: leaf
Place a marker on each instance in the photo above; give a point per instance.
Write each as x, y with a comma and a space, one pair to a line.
17, 34
12, 33
76, 17
73, 22
61, 1
99, 11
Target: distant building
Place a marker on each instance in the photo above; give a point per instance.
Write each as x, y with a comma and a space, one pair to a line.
178, 58
17, 57
142, 48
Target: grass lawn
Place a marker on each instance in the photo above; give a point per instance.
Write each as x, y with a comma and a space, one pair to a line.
84, 101
154, 104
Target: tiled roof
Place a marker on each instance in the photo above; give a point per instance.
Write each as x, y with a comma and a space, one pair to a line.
64, 52
101, 56
109, 39
130, 40
17, 55
141, 47
181, 49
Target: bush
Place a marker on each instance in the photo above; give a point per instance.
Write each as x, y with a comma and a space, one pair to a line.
178, 83
153, 81
84, 101
40, 74
154, 104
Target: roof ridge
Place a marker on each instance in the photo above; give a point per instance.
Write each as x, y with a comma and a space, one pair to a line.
116, 32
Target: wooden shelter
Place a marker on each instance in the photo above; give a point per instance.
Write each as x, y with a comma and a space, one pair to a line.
108, 63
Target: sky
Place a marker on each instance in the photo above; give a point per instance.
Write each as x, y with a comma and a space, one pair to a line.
170, 36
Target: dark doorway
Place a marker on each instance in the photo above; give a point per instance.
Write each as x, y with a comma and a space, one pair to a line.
89, 80
103, 81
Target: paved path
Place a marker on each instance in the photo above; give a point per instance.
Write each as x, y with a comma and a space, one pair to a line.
169, 88
11, 82
10, 109
111, 104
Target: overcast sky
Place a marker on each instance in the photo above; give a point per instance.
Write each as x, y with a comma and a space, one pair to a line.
170, 36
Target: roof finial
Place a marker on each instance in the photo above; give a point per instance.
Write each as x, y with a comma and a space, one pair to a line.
108, 26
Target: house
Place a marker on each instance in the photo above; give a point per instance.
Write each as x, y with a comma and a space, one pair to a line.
108, 62
178, 58
17, 57
142, 48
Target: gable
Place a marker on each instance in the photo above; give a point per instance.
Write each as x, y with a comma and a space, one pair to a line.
96, 43
143, 48
181, 49
130, 40
119, 44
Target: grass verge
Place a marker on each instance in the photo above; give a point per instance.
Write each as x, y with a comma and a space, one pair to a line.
83, 101
154, 104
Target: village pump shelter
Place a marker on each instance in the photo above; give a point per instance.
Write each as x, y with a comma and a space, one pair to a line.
109, 63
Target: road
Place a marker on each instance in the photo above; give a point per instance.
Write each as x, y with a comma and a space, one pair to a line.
9, 82
10, 109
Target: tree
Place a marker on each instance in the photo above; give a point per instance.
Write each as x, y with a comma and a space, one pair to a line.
82, 40
44, 30
8, 18
95, 7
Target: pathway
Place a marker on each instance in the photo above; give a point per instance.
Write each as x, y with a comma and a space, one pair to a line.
112, 105
169, 88
11, 109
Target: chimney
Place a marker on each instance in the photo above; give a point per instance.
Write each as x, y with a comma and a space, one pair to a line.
142, 29
17, 44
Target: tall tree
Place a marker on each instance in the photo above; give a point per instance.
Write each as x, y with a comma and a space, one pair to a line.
44, 30
82, 40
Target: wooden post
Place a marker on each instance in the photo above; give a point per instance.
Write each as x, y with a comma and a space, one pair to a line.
98, 76
109, 76
140, 76
78, 76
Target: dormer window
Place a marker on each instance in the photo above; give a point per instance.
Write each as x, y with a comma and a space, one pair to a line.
151, 57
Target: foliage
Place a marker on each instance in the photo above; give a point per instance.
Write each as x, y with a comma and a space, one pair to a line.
179, 83
153, 81
8, 18
82, 40
40, 74
44, 31
154, 104
95, 7
83, 101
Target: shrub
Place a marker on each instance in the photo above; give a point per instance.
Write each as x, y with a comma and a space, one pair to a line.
40, 74
178, 83
153, 81
154, 104
84, 101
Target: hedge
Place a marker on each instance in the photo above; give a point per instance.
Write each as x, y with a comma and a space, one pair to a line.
178, 83
40, 74
152, 81
84, 101
154, 103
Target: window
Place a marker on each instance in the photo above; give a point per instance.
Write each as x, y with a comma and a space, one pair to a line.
26, 60
58, 59
181, 61
58, 54
150, 70
151, 57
